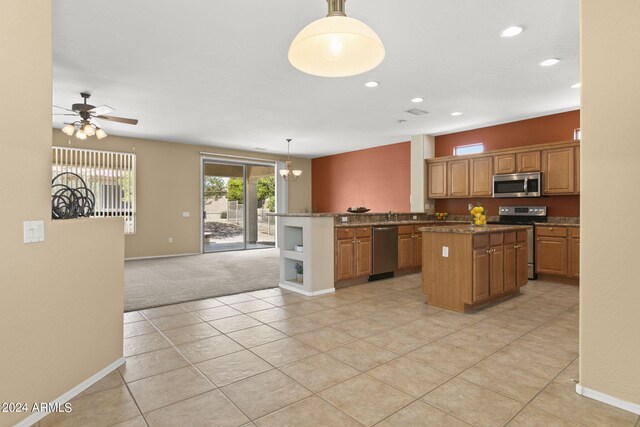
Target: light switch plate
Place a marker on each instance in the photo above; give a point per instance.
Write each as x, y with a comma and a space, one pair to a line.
445, 251
186, 214
33, 231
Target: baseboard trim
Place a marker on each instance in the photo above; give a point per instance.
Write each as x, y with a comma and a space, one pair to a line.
307, 293
161, 256
609, 400
35, 417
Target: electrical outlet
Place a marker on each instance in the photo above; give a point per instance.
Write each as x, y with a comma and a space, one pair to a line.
415, 217
170, 239
186, 214
344, 219
445, 251
470, 206
33, 231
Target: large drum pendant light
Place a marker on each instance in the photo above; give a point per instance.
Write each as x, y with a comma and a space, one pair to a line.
336, 46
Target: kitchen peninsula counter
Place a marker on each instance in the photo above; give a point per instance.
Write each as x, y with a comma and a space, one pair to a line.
465, 266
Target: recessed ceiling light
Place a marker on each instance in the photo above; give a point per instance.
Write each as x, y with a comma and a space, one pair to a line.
372, 84
549, 62
401, 121
456, 113
416, 100
576, 85
511, 31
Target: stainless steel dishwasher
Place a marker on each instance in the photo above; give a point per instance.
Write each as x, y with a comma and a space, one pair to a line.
385, 249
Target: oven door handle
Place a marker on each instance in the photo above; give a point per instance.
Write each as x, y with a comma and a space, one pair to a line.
526, 185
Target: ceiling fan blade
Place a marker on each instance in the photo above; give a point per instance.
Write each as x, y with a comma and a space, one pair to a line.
62, 108
100, 110
64, 114
119, 119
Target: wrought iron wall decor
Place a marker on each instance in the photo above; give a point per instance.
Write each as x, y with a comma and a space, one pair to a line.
70, 197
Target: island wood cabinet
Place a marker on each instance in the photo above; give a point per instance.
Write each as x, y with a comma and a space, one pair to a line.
516, 268
409, 246
499, 264
473, 269
558, 251
453, 177
352, 253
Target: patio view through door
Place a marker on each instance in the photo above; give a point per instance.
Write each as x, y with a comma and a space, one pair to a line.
236, 198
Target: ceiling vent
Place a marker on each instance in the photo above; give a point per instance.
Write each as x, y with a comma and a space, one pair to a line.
417, 112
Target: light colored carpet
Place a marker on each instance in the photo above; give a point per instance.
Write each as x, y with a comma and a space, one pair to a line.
155, 282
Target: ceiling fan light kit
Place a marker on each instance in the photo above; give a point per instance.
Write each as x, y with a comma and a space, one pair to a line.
85, 126
336, 46
289, 173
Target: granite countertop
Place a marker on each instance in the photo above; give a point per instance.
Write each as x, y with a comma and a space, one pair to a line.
406, 222
302, 215
336, 215
470, 229
556, 224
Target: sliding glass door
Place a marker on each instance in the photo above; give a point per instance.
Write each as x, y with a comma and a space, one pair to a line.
236, 198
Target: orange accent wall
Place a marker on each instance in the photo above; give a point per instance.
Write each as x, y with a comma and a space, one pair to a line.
378, 178
552, 128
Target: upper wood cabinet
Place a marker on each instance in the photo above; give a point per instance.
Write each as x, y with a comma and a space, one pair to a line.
437, 176
504, 163
481, 176
558, 167
528, 161
577, 156
472, 176
458, 178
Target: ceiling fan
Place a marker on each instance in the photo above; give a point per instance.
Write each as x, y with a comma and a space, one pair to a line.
86, 113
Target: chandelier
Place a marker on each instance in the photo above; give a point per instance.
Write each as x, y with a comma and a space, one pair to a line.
84, 128
336, 45
288, 173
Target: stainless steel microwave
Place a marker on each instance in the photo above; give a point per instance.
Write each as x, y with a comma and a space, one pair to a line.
517, 185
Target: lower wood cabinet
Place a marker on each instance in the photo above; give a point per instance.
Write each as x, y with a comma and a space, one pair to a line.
558, 251
352, 253
409, 247
574, 253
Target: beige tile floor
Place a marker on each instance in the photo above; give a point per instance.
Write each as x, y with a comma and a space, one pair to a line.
373, 354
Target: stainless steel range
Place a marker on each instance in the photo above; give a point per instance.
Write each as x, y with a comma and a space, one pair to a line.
525, 215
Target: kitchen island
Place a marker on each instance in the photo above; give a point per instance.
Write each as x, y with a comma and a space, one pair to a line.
466, 266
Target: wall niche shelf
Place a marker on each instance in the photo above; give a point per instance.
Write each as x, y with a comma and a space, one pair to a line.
315, 235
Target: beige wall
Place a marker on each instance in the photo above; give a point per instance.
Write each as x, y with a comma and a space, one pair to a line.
168, 183
610, 156
62, 299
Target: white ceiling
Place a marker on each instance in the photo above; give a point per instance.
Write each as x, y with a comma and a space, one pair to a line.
216, 72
